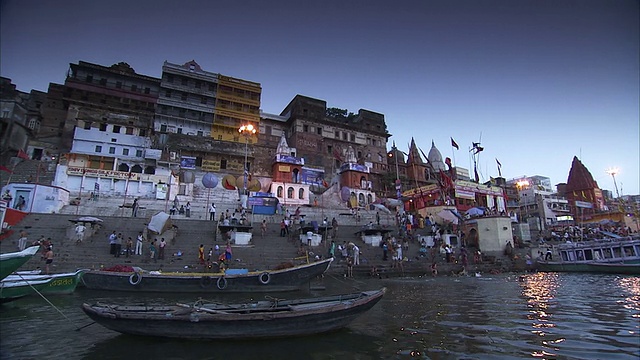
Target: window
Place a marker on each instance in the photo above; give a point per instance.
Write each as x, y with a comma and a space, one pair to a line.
223, 163
301, 193
163, 128
139, 153
368, 141
200, 133
89, 78
103, 82
344, 136
103, 127
112, 150
147, 90
319, 130
352, 137
98, 148
329, 149
118, 84
134, 88
179, 130
114, 140
129, 131
125, 152
143, 132
116, 129
305, 128
337, 134
280, 191
359, 154
290, 193
87, 125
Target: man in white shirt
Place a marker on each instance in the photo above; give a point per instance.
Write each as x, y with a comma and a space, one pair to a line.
139, 242
212, 212
80, 228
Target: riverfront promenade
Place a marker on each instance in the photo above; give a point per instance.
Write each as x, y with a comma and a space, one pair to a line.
187, 234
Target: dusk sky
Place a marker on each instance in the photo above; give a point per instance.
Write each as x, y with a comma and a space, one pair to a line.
536, 82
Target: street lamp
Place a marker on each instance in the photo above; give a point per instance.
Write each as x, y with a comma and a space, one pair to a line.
613, 172
247, 131
394, 154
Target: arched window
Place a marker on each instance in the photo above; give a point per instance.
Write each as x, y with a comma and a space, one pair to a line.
279, 191
301, 193
363, 182
150, 170
136, 169
290, 193
294, 176
123, 167
369, 199
361, 199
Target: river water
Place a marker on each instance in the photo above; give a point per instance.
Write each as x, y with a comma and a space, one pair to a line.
535, 316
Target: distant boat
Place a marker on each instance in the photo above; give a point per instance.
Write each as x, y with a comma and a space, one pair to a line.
10, 262
63, 283
619, 256
233, 280
261, 319
11, 290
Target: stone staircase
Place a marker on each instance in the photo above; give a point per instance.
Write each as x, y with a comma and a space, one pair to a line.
32, 171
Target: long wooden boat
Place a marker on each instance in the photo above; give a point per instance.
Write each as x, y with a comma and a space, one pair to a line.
262, 319
616, 256
15, 289
233, 280
63, 283
10, 262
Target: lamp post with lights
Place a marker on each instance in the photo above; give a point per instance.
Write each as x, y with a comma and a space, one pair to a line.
246, 131
613, 172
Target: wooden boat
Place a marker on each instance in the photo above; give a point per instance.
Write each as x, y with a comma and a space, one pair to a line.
233, 280
619, 256
10, 262
262, 319
63, 283
15, 289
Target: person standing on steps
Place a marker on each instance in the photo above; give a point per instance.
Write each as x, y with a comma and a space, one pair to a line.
128, 247
134, 208
187, 209
48, 256
161, 247
112, 243
139, 242
212, 212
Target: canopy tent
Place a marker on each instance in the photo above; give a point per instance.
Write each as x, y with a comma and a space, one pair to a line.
447, 215
475, 211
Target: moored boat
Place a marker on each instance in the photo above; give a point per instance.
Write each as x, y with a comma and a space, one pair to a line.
261, 319
233, 280
63, 283
15, 289
10, 262
618, 256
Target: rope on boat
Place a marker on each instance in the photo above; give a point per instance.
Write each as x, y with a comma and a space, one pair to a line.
45, 299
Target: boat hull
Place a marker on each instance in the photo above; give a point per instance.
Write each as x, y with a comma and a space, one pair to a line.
60, 284
192, 323
290, 279
10, 262
14, 290
606, 268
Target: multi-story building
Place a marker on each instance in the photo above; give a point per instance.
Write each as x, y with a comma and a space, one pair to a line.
322, 136
14, 128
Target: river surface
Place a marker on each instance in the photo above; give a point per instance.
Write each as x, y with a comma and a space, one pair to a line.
533, 316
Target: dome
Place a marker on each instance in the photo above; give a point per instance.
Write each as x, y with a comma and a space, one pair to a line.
435, 158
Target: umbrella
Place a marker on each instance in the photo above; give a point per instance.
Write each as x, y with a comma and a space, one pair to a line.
89, 219
475, 211
447, 216
381, 207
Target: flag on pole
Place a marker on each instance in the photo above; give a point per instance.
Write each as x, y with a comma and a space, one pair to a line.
455, 144
23, 155
499, 167
4, 168
448, 161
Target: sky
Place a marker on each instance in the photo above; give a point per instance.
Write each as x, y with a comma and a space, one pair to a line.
535, 82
